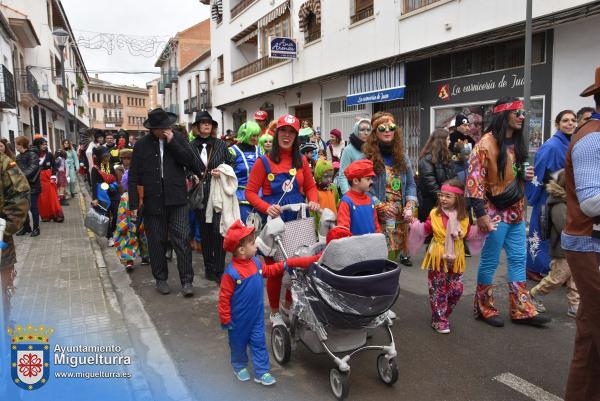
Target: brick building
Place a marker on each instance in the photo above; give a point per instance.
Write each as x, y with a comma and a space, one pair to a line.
117, 107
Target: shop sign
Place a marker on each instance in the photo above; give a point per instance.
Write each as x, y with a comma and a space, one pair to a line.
384, 95
506, 81
281, 47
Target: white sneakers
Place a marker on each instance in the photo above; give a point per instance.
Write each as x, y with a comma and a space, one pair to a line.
276, 319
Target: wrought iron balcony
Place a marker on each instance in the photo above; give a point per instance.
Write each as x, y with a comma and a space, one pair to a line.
254, 67
362, 14
186, 106
161, 86
28, 87
114, 120
194, 104
173, 74
412, 5
8, 99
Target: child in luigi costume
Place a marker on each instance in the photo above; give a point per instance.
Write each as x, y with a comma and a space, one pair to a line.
241, 301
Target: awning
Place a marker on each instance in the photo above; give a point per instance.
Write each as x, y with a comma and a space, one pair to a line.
276, 13
245, 35
378, 85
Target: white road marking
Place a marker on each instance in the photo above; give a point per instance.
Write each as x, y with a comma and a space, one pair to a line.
524, 387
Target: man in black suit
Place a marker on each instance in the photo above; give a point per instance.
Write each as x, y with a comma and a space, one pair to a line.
157, 181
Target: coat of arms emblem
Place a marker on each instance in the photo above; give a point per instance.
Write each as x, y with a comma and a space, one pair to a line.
30, 356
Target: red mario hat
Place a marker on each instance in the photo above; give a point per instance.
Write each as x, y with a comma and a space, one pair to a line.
234, 235
359, 169
288, 120
260, 115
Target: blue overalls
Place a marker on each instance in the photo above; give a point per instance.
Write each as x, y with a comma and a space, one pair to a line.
247, 317
243, 165
277, 182
362, 219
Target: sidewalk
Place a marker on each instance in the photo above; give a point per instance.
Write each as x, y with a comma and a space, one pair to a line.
60, 281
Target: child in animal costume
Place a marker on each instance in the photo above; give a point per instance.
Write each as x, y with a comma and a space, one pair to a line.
241, 301
329, 197
445, 256
357, 207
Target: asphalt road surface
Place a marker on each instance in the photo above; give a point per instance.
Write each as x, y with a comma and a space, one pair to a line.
474, 362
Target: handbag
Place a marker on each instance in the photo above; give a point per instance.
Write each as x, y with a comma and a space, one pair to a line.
298, 234
511, 195
196, 196
96, 222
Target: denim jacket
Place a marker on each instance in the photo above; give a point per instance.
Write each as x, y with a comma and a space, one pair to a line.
409, 189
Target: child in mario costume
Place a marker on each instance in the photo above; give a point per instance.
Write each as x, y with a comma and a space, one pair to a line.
357, 208
241, 305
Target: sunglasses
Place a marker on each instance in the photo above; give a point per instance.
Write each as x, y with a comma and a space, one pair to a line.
383, 128
520, 113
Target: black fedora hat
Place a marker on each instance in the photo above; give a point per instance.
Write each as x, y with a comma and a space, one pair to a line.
205, 116
158, 118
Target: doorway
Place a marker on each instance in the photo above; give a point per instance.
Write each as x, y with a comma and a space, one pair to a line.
304, 113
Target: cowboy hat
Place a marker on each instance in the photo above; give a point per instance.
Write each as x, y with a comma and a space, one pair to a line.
158, 118
205, 116
593, 88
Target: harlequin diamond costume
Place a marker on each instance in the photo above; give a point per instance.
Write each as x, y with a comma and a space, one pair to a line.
496, 193
246, 152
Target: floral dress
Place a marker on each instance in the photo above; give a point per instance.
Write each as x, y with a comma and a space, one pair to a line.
395, 230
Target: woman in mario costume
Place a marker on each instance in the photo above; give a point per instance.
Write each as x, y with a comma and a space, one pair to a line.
285, 178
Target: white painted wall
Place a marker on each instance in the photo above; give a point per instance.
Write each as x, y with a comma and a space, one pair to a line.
575, 60
343, 46
8, 117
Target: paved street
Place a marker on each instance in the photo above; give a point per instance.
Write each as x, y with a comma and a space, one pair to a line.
180, 352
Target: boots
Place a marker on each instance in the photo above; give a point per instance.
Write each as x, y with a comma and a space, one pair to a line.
35, 232
522, 310
26, 229
484, 308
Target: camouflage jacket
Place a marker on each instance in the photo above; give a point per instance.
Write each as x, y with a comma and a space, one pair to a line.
14, 195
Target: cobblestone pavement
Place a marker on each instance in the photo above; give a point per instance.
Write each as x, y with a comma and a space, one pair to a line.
60, 281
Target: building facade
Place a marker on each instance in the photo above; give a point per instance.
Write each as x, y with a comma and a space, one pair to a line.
195, 91
118, 107
155, 99
181, 50
422, 60
9, 124
38, 71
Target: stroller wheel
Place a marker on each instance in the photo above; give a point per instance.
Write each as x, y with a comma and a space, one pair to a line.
340, 383
387, 369
281, 344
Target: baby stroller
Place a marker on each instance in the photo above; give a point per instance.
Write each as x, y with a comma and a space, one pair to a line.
335, 302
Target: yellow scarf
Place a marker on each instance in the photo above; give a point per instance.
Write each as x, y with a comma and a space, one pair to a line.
434, 259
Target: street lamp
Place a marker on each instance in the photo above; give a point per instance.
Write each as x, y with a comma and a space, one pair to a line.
61, 37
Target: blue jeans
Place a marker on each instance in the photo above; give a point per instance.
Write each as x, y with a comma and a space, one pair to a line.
512, 238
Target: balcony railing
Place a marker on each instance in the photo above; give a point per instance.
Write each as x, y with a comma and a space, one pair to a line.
412, 5
204, 101
109, 105
28, 85
187, 109
239, 7
174, 108
362, 14
173, 74
8, 99
161, 86
254, 67
114, 120
312, 36
166, 77
119, 105
194, 103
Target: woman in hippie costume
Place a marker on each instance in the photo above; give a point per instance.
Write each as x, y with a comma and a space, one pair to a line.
495, 186
130, 238
448, 222
394, 189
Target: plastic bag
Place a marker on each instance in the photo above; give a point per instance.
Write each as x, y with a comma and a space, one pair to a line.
96, 222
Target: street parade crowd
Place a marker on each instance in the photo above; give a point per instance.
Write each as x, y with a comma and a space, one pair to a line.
178, 191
